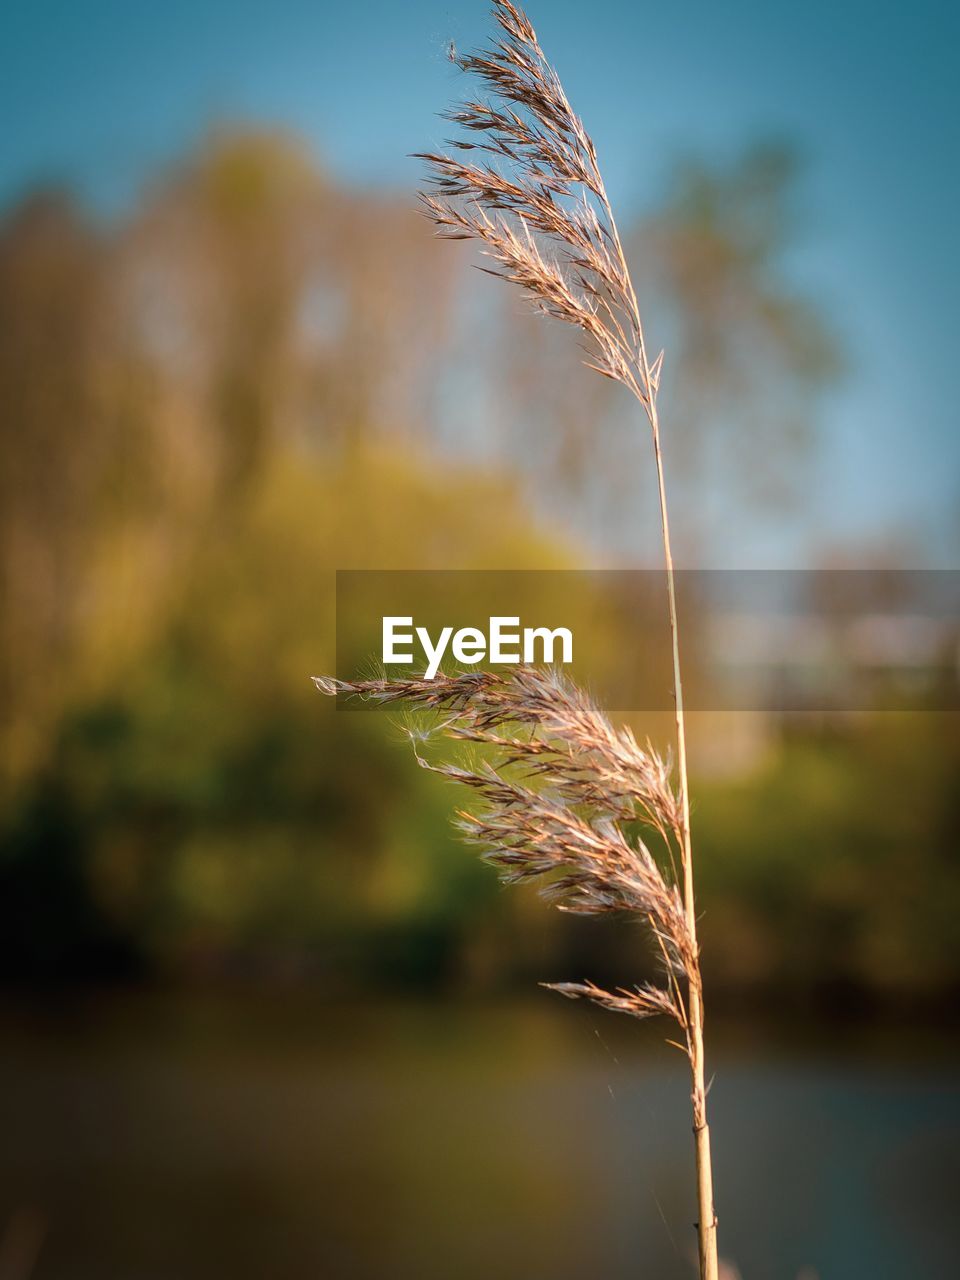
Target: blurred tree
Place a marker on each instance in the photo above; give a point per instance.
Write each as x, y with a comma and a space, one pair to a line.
748, 353
835, 866
259, 377
55, 438
294, 309
747, 359
203, 802
251, 304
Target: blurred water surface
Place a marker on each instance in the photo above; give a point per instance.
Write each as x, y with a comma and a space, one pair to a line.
274, 1135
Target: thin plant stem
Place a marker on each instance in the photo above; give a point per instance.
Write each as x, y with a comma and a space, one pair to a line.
707, 1218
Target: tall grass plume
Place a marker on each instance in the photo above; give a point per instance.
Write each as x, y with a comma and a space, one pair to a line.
522, 178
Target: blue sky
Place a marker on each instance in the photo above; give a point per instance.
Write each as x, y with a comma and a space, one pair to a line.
102, 94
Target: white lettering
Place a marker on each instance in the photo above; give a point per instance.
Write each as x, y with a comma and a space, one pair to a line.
391, 639
434, 653
469, 645
498, 638
549, 638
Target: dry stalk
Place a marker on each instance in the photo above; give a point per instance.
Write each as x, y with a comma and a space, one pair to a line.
523, 180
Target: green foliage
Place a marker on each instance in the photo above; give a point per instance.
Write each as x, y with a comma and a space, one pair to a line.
204, 803
211, 407
837, 863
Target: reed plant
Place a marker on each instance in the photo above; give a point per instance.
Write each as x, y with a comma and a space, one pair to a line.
564, 792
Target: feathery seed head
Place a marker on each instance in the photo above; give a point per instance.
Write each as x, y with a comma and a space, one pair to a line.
523, 180
558, 786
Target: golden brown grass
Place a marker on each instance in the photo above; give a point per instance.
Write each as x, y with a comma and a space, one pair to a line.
523, 179
561, 788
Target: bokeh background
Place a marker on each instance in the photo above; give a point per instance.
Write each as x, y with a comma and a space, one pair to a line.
261, 1014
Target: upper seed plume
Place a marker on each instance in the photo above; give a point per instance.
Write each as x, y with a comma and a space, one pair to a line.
525, 182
